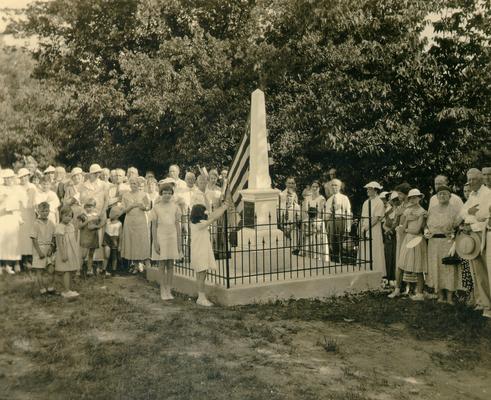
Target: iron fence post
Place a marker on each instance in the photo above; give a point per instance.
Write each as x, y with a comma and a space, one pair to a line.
227, 263
370, 233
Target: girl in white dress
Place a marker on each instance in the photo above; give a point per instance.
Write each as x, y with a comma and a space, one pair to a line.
166, 234
202, 257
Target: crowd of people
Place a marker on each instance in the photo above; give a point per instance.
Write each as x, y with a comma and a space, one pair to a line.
52, 221
88, 222
430, 252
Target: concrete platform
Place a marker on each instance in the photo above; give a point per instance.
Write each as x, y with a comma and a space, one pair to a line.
278, 289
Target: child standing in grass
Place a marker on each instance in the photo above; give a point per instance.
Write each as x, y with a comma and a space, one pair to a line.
112, 233
89, 224
166, 234
202, 258
67, 254
42, 241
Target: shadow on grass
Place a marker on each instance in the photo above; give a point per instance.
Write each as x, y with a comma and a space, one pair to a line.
425, 320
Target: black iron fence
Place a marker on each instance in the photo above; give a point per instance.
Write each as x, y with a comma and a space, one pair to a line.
297, 242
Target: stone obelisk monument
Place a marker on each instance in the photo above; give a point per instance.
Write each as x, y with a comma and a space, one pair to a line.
259, 198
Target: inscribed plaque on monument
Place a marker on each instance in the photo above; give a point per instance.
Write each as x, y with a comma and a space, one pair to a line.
249, 214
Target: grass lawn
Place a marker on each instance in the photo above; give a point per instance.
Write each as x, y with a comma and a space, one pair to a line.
118, 340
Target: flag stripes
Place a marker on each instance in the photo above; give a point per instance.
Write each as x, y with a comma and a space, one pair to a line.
239, 172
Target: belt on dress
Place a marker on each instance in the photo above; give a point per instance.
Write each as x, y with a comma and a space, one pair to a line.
439, 236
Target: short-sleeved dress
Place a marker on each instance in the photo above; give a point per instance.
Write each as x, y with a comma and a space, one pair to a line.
414, 259
70, 244
135, 240
165, 215
440, 276
44, 232
202, 257
28, 216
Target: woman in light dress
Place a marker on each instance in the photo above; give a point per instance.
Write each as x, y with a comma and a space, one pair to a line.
214, 195
135, 241
11, 198
371, 227
412, 257
28, 215
442, 219
166, 234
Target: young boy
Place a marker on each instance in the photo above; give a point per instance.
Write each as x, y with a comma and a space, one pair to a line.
112, 233
42, 242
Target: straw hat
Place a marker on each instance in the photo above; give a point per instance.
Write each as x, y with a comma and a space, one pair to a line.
394, 195
8, 173
383, 195
50, 170
169, 181
23, 172
95, 168
373, 185
468, 245
76, 171
415, 193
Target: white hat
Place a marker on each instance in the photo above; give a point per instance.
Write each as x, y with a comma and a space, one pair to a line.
383, 195
394, 195
167, 181
23, 172
8, 173
373, 185
95, 168
76, 171
60, 169
50, 170
414, 193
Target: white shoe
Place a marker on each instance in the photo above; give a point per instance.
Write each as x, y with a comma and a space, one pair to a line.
66, 294
141, 267
486, 313
9, 270
165, 294
418, 297
395, 293
73, 293
203, 301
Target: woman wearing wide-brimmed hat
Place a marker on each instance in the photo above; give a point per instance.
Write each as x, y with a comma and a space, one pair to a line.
372, 228
442, 219
412, 257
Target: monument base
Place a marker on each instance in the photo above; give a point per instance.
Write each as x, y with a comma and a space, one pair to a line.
263, 292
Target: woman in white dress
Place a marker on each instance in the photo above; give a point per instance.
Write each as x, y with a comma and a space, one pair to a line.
10, 221
373, 207
28, 215
166, 234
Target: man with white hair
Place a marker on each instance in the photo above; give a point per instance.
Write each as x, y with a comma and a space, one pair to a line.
191, 189
455, 201
181, 186
474, 215
338, 218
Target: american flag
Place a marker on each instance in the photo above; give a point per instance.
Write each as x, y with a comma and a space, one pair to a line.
238, 177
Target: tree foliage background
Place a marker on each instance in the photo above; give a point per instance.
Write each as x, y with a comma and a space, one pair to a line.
349, 83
